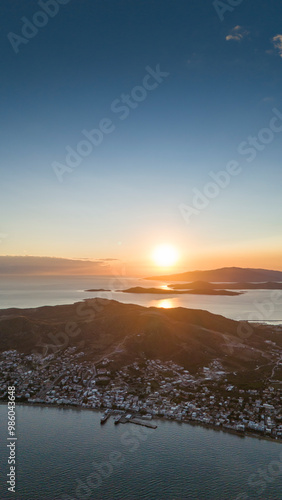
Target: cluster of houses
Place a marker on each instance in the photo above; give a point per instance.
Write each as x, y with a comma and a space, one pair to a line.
151, 388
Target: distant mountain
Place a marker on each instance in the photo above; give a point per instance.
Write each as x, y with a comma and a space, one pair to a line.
202, 285
226, 275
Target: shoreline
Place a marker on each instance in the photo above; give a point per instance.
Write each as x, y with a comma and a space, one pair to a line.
241, 434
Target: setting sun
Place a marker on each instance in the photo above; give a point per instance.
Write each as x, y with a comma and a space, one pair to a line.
165, 255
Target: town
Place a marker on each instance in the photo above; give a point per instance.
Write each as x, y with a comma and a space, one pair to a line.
146, 388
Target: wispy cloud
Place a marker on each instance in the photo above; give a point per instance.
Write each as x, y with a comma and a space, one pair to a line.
267, 99
237, 33
277, 42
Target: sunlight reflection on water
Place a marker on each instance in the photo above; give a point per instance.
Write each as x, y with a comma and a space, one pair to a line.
165, 303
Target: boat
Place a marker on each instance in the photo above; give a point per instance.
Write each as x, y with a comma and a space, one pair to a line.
105, 417
117, 419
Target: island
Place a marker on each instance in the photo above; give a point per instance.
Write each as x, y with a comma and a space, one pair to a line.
200, 285
162, 291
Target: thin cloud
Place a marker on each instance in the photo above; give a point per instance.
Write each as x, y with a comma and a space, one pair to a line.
277, 42
237, 34
267, 99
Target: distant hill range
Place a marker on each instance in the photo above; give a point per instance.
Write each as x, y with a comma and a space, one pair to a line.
225, 275
204, 286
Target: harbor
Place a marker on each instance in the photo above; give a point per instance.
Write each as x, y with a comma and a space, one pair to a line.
125, 419
105, 417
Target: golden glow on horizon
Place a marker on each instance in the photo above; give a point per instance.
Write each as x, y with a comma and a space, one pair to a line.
166, 304
165, 255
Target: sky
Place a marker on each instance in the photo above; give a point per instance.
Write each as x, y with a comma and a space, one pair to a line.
170, 93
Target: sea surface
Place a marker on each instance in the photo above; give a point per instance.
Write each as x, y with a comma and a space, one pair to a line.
35, 291
60, 450
66, 454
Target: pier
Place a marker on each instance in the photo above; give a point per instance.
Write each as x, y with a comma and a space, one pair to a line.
124, 420
105, 417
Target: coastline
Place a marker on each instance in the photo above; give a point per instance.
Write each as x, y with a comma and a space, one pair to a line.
241, 434
186, 416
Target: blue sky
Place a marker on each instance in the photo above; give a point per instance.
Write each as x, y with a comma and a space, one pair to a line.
123, 199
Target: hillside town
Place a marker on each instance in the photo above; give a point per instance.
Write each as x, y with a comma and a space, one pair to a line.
147, 388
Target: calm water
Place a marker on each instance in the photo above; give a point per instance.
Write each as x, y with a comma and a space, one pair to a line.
56, 449
256, 305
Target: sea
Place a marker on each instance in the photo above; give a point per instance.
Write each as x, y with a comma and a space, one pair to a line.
264, 306
67, 454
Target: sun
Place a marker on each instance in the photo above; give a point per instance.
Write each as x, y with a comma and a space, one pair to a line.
165, 255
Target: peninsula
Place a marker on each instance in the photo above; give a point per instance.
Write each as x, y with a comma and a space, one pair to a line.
181, 364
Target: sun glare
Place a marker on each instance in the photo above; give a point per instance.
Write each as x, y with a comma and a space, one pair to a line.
165, 255
165, 304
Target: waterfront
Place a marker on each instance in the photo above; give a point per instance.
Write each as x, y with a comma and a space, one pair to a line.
57, 447
207, 398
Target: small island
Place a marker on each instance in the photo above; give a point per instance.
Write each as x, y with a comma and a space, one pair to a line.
162, 291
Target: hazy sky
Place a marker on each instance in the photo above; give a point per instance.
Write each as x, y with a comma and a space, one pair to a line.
94, 65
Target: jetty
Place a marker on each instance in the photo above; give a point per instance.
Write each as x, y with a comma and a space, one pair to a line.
105, 417
124, 418
137, 421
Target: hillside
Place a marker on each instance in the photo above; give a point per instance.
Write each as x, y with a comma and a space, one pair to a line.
123, 333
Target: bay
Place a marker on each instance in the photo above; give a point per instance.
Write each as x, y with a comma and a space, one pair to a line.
59, 450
